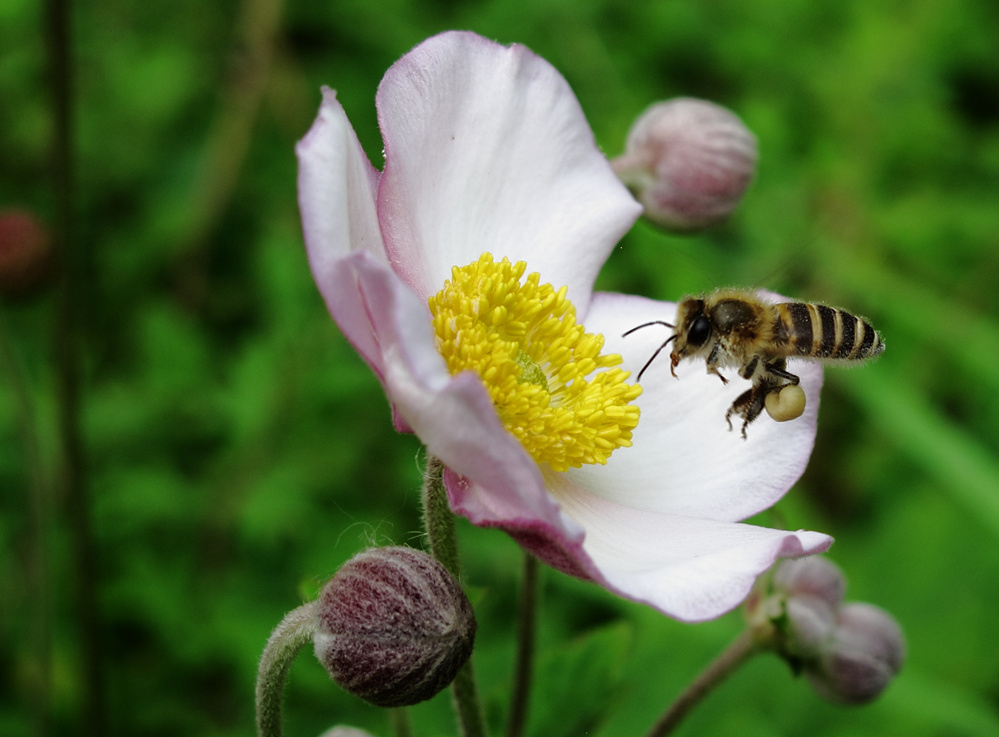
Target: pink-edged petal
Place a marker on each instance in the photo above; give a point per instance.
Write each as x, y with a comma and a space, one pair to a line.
684, 459
487, 149
453, 415
375, 310
691, 569
337, 189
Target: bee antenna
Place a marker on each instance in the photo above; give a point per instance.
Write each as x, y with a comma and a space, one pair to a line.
645, 325
658, 351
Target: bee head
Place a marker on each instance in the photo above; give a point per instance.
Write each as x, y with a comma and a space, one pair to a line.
693, 329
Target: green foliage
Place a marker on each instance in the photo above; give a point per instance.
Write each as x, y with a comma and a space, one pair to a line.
237, 449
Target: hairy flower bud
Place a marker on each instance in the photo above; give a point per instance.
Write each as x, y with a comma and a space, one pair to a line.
689, 162
812, 576
809, 625
25, 253
393, 626
867, 650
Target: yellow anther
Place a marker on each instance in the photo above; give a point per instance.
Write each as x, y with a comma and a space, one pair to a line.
536, 362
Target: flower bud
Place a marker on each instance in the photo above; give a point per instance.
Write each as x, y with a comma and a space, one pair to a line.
866, 652
811, 576
809, 625
688, 162
393, 626
25, 253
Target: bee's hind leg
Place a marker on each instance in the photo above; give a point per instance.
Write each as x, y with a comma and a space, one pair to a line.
778, 367
748, 406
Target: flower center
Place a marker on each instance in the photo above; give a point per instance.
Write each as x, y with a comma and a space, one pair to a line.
552, 388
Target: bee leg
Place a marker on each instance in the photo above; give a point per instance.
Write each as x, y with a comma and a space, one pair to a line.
712, 362
777, 368
740, 407
713, 370
749, 405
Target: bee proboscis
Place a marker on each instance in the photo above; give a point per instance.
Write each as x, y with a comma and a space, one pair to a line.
735, 328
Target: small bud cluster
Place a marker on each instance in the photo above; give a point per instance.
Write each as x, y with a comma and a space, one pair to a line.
393, 626
850, 651
688, 162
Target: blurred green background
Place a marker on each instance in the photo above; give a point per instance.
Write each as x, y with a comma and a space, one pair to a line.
236, 451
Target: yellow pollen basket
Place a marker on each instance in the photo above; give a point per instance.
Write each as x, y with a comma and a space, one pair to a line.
552, 388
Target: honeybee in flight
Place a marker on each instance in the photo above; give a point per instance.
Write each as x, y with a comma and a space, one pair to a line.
734, 328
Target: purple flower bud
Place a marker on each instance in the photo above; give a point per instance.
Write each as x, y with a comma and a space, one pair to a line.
866, 651
689, 162
25, 253
810, 624
393, 626
812, 576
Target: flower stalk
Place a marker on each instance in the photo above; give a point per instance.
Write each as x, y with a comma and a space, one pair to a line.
443, 542
294, 631
527, 620
737, 653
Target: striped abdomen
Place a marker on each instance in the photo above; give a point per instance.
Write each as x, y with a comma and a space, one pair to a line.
817, 331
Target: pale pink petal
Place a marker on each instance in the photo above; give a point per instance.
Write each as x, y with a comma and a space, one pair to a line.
336, 197
487, 149
691, 569
684, 459
337, 189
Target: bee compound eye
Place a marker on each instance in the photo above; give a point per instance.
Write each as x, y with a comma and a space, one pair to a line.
699, 332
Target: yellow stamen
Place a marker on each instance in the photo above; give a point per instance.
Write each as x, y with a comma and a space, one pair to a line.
552, 388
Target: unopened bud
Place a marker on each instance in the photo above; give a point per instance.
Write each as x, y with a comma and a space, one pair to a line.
810, 623
811, 576
688, 162
25, 253
867, 650
393, 626
786, 404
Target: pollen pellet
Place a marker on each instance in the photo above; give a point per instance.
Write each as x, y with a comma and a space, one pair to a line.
786, 404
552, 387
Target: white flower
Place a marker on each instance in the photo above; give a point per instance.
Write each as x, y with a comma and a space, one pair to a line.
488, 152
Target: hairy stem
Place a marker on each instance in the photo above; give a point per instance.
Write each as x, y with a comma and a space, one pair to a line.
442, 538
294, 631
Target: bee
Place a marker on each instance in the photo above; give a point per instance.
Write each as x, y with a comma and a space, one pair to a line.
734, 328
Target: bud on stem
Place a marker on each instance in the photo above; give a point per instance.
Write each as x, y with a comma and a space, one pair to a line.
688, 162
393, 626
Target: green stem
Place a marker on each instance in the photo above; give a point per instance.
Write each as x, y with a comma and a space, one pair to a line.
402, 725
286, 640
526, 629
72, 471
731, 658
443, 540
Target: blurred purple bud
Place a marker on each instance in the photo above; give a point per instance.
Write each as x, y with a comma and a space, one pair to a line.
688, 162
810, 624
813, 576
393, 626
866, 651
25, 253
